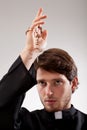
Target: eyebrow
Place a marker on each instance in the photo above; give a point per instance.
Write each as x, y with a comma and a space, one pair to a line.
49, 80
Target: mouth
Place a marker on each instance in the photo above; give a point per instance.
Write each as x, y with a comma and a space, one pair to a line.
50, 101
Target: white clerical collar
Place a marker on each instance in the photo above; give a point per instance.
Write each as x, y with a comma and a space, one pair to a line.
58, 115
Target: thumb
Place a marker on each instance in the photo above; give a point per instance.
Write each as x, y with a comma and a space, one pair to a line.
44, 34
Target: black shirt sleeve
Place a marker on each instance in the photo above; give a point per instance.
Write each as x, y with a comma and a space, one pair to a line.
13, 87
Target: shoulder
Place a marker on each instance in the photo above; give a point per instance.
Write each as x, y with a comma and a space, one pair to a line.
26, 112
81, 115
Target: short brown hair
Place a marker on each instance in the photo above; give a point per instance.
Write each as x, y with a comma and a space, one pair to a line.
57, 60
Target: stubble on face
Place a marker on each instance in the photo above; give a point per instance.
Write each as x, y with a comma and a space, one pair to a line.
58, 104
61, 97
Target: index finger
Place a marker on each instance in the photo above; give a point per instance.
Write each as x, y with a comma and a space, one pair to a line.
39, 13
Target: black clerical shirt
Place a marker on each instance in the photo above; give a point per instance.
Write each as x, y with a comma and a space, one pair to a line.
13, 87
72, 119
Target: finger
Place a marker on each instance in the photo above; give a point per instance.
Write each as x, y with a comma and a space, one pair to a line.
30, 29
40, 18
44, 34
36, 24
39, 13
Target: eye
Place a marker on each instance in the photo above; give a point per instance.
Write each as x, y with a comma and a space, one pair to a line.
58, 82
41, 83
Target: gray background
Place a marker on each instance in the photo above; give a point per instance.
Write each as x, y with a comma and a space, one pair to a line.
67, 29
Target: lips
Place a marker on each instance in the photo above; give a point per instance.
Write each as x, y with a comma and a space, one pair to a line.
50, 101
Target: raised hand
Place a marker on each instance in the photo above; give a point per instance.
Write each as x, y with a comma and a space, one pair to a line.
35, 40
36, 36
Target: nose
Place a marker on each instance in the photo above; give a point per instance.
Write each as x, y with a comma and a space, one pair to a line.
49, 90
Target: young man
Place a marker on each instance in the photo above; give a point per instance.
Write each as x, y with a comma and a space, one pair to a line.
55, 74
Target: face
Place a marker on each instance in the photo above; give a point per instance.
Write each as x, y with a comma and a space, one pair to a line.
54, 89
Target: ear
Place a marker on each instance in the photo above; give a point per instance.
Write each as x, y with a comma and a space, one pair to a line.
74, 84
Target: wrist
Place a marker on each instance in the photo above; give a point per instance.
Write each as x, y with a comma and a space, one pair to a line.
28, 57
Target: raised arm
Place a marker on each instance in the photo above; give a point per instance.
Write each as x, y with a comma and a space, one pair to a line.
19, 78
35, 40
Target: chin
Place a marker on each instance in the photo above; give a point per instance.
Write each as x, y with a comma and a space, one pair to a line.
50, 109
53, 109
